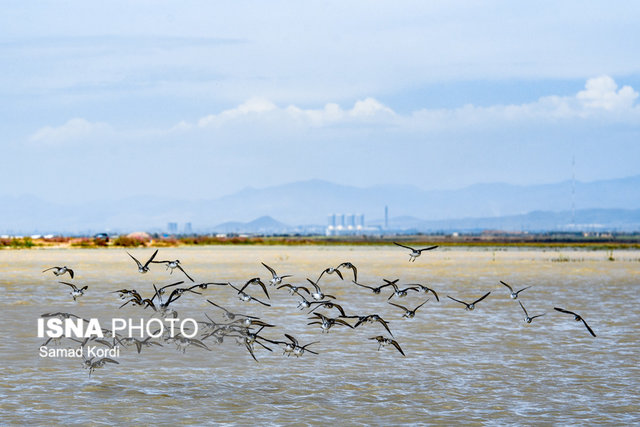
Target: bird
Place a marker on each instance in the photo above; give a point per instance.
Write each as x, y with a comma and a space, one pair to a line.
427, 289
577, 318
374, 290
294, 289
257, 281
161, 291
351, 267
318, 294
370, 319
144, 268
230, 315
527, 318
514, 295
93, 365
295, 348
471, 306
330, 270
275, 280
173, 265
401, 293
327, 305
409, 314
415, 253
59, 271
75, 292
327, 322
383, 341
246, 297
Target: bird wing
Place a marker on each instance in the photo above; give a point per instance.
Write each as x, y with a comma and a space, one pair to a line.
314, 285
339, 274
399, 306
185, 273
457, 300
510, 288
523, 309
134, 258
481, 298
146, 264
70, 272
384, 323
273, 272
562, 310
587, 326
435, 294
406, 247
396, 345
416, 309
427, 249
526, 287
70, 284
364, 286
50, 268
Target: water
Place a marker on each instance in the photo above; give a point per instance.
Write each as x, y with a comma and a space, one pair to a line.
481, 367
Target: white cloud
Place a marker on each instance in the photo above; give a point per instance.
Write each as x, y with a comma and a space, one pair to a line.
600, 92
74, 130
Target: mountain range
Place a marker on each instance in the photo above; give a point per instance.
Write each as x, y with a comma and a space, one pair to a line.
306, 205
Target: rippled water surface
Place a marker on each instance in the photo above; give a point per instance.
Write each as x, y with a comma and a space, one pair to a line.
485, 366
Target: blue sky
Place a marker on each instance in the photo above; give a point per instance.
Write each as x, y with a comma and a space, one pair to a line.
199, 99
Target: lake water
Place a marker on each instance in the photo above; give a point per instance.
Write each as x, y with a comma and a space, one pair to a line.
485, 366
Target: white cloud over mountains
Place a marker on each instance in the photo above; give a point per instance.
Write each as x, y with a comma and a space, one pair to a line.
600, 100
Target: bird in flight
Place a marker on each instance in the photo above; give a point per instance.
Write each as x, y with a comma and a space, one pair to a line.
415, 253
577, 318
471, 306
59, 271
144, 268
75, 291
514, 295
527, 318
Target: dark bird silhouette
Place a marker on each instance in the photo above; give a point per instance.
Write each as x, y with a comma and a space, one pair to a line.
275, 280
144, 268
401, 293
75, 291
318, 294
172, 265
514, 295
577, 318
415, 253
59, 271
370, 319
383, 341
374, 290
294, 289
473, 304
327, 305
255, 281
409, 314
527, 318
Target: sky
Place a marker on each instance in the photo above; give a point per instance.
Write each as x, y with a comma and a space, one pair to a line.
199, 99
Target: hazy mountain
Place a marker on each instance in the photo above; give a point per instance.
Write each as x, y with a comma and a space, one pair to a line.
310, 202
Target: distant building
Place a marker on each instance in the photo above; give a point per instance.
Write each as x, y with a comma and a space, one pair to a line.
172, 227
348, 225
187, 228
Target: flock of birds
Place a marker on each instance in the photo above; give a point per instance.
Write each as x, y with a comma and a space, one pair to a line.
247, 330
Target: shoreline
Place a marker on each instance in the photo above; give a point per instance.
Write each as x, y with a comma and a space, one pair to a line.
626, 242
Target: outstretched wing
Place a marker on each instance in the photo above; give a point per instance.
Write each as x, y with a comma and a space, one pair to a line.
523, 309
396, 345
273, 272
146, 264
587, 326
481, 298
185, 273
562, 310
403, 246
70, 284
134, 258
427, 249
510, 288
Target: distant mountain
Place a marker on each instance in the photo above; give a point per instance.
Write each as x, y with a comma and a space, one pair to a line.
310, 202
585, 220
262, 225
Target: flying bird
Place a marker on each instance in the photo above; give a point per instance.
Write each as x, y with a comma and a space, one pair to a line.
527, 318
144, 268
415, 253
514, 295
577, 318
409, 314
275, 280
173, 265
471, 306
383, 341
59, 271
75, 292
